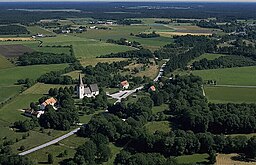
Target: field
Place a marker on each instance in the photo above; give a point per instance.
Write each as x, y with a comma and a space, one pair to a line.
38, 30
40, 88
243, 76
57, 50
229, 159
195, 158
4, 63
161, 108
230, 94
8, 92
94, 61
207, 56
16, 39
14, 50
161, 126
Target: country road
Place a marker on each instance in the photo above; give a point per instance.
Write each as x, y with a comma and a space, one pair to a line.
119, 96
49, 143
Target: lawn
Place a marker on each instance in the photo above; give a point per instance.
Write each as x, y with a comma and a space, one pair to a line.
40, 88
208, 56
243, 76
230, 94
4, 63
162, 126
195, 158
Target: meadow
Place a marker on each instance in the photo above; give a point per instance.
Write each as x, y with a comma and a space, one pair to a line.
195, 158
4, 63
208, 56
38, 30
230, 94
242, 76
161, 126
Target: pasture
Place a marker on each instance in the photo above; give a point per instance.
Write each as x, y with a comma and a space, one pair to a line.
56, 50
7, 92
38, 30
4, 63
243, 76
230, 94
94, 61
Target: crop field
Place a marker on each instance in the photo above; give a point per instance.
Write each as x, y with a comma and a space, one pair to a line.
162, 126
16, 39
56, 50
242, 76
229, 159
230, 94
14, 50
4, 63
207, 56
195, 158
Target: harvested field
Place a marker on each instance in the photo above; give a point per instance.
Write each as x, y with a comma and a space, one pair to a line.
231, 159
14, 50
17, 39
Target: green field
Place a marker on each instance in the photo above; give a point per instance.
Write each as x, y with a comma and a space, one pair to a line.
195, 158
160, 108
7, 92
230, 94
57, 50
38, 30
11, 75
207, 56
4, 63
243, 76
161, 126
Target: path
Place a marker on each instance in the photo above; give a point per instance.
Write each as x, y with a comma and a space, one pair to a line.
50, 142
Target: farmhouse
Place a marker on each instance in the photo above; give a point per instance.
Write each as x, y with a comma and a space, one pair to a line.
125, 84
91, 90
152, 88
31, 112
51, 101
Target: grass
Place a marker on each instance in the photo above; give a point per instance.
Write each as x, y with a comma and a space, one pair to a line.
160, 108
38, 30
195, 158
114, 151
231, 159
57, 50
244, 76
74, 74
10, 76
230, 94
4, 63
208, 56
94, 61
162, 126
69, 144
40, 88
8, 92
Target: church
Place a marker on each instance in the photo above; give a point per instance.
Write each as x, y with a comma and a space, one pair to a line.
91, 90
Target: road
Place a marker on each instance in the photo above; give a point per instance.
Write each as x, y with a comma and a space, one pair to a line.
49, 143
124, 94
119, 96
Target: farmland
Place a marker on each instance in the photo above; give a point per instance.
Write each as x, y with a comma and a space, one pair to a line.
14, 50
243, 76
207, 56
230, 94
4, 63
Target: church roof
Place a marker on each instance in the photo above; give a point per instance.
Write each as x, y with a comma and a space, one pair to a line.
87, 90
80, 80
94, 87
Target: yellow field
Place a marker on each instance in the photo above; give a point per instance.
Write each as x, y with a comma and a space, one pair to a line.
231, 159
17, 39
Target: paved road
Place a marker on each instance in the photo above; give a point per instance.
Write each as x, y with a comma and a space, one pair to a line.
119, 95
50, 142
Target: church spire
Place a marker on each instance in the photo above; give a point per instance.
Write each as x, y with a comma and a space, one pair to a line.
80, 80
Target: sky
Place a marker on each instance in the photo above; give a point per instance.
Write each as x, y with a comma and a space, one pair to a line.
133, 0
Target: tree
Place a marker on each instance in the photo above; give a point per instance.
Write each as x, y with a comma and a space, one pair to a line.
250, 151
212, 157
50, 159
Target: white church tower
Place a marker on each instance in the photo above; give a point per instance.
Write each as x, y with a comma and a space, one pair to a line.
80, 91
